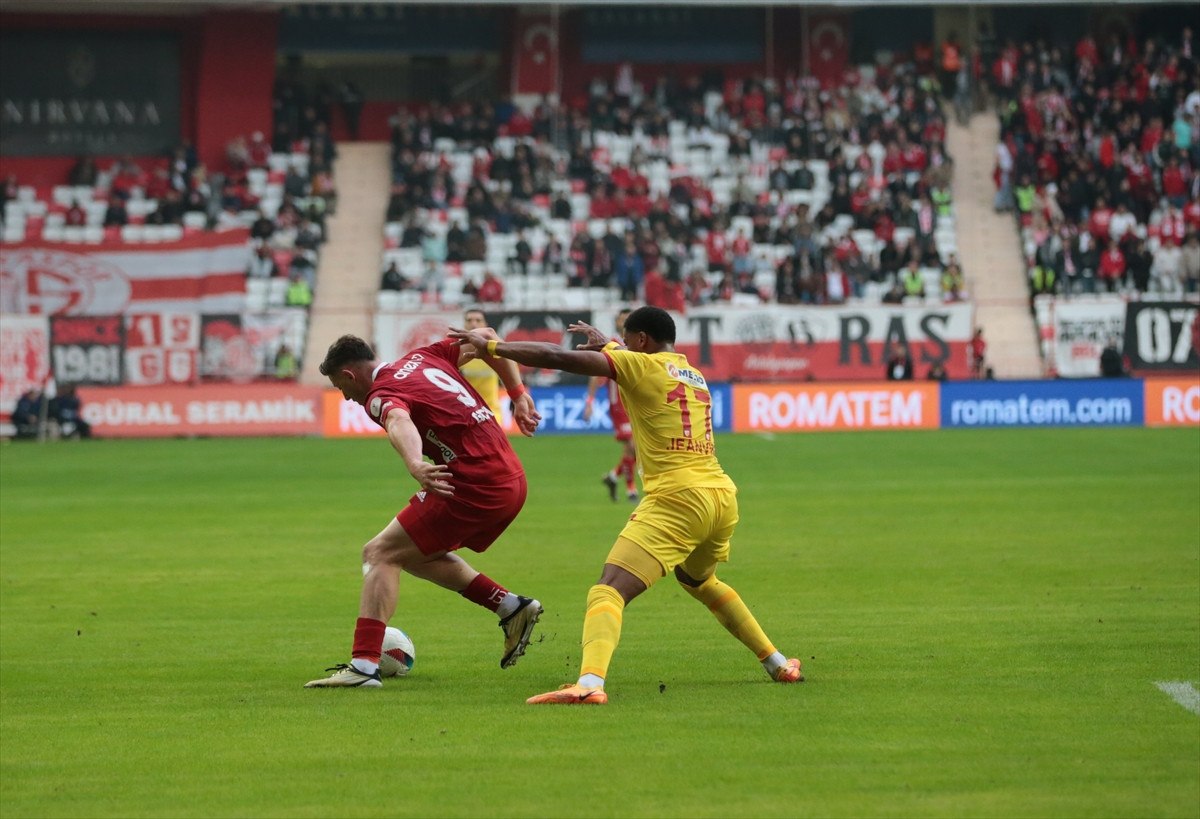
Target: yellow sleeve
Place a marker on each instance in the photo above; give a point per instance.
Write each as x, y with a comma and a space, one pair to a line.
628, 368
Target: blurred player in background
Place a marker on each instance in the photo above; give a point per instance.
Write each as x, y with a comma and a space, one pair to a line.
470, 493
478, 374
622, 430
688, 515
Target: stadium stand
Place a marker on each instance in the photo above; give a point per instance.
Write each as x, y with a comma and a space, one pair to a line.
1097, 159
281, 197
743, 193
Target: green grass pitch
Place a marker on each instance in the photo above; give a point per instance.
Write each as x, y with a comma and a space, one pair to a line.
982, 615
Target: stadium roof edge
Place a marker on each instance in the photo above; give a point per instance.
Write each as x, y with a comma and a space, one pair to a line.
194, 6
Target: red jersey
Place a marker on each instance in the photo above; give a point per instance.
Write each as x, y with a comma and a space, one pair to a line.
616, 410
457, 428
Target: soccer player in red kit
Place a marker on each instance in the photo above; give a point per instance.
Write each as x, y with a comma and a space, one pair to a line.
472, 488
622, 429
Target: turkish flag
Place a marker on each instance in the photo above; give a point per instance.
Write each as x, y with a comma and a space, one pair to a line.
536, 54
828, 47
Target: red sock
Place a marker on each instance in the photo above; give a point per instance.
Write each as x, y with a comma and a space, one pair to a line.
368, 639
627, 467
484, 591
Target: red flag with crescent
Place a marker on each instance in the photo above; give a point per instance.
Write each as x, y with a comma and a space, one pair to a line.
828, 47
536, 54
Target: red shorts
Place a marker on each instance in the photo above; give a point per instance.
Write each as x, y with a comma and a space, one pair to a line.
472, 519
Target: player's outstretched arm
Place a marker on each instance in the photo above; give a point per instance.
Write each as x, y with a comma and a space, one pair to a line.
596, 340
537, 354
525, 413
406, 440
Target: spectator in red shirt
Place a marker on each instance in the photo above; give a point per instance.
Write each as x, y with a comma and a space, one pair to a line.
127, 177
1175, 182
491, 290
1171, 228
1191, 215
75, 216
259, 150
1098, 222
602, 205
1086, 50
717, 248
1112, 267
158, 184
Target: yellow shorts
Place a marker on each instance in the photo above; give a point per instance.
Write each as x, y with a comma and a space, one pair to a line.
690, 528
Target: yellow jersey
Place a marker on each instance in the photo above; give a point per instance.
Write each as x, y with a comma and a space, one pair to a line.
485, 381
670, 408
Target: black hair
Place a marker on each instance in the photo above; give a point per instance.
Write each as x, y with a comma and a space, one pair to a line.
654, 322
478, 310
346, 350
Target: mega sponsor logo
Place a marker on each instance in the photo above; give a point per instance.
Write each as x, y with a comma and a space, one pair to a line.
800, 407
1116, 402
219, 410
1172, 402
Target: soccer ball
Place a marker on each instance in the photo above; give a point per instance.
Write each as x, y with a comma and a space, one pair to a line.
398, 654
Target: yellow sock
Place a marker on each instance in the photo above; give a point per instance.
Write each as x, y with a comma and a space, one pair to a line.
601, 629
731, 612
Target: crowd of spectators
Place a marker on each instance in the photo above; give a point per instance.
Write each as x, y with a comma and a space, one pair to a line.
685, 193
273, 194
1098, 159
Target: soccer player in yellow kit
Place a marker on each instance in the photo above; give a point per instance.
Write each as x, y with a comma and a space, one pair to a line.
478, 374
687, 517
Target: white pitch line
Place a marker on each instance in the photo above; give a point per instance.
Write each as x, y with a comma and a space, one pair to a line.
1183, 693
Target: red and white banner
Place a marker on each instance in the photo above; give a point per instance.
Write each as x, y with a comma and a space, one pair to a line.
241, 347
161, 348
828, 47
846, 343
768, 343
211, 409
199, 274
24, 357
535, 51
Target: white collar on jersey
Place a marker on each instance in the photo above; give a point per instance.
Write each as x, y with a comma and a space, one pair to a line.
375, 372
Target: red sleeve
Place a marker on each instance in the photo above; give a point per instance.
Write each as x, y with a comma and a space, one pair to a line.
612, 368
382, 401
446, 349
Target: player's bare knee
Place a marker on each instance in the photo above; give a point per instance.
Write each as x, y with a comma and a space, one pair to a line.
377, 552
